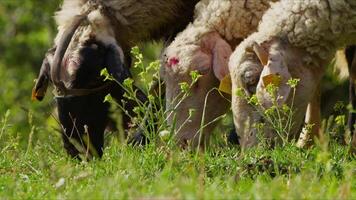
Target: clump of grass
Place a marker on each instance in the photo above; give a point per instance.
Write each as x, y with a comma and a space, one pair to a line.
278, 117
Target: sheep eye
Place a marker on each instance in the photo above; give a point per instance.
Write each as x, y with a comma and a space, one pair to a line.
203, 70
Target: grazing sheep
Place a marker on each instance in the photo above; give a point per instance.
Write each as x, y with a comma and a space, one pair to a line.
97, 34
296, 39
205, 46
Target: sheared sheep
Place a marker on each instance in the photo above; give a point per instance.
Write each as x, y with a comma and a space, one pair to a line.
296, 39
93, 34
205, 46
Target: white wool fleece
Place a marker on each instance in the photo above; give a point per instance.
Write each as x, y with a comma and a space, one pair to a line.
234, 20
137, 20
299, 38
318, 26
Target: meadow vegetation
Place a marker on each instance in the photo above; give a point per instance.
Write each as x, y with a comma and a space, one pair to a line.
34, 165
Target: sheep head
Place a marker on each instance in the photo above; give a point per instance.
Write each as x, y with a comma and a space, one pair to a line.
210, 59
75, 74
255, 67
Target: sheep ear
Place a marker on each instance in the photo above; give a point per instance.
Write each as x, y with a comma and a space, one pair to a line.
221, 54
275, 72
115, 64
44, 77
261, 53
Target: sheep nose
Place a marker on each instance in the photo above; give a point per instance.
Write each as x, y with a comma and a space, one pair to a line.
250, 79
173, 61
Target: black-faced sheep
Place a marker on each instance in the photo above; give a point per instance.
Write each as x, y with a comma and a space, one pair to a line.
97, 34
296, 39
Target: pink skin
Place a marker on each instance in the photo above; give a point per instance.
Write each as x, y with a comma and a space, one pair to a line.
287, 61
210, 59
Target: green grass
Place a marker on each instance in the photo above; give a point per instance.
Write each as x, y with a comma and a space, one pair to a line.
44, 171
33, 164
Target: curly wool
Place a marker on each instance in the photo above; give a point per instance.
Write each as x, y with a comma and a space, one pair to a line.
234, 20
320, 27
313, 30
139, 20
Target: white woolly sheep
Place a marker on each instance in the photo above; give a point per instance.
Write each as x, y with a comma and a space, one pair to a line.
205, 46
296, 39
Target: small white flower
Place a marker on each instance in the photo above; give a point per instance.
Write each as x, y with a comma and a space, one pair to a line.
164, 134
25, 177
60, 183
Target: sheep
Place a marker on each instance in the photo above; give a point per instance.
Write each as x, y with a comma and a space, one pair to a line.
295, 39
93, 34
205, 46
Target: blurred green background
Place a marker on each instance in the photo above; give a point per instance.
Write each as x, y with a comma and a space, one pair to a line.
26, 32
27, 29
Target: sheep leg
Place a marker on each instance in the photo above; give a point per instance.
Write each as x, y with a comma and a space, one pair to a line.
139, 137
312, 117
350, 57
352, 115
351, 61
352, 100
